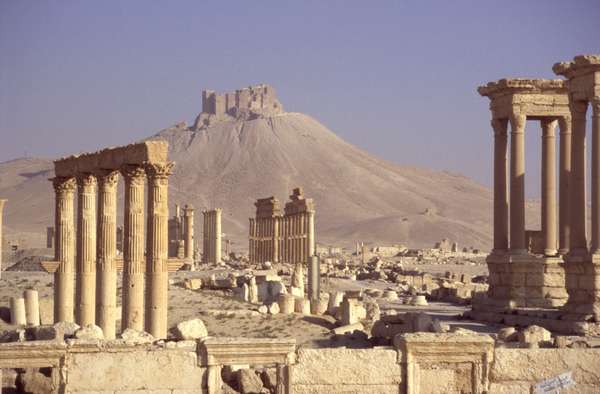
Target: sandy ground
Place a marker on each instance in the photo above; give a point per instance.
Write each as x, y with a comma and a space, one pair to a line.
213, 306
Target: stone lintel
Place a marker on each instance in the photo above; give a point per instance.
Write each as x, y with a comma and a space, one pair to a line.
112, 158
509, 86
581, 65
228, 351
32, 354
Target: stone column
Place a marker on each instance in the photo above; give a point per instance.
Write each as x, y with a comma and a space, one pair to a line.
517, 184
106, 300
86, 250
500, 185
157, 250
2, 202
275, 240
133, 249
564, 224
595, 176
205, 237
188, 213
311, 233
549, 186
64, 249
314, 278
217, 241
32, 307
17, 311
251, 240
577, 199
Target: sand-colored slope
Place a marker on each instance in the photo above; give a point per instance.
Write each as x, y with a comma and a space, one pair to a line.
230, 164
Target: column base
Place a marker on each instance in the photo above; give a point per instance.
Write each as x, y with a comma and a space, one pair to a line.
525, 281
583, 286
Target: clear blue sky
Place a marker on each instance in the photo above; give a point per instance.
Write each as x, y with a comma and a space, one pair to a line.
395, 78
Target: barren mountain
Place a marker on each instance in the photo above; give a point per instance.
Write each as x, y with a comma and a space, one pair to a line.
231, 163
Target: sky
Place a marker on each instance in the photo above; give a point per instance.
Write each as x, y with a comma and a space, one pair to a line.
396, 78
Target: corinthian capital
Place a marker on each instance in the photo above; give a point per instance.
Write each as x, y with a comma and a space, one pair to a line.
159, 170
86, 180
108, 178
64, 184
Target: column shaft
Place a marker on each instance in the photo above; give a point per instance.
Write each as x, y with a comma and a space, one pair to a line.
549, 186
2, 202
564, 180
106, 300
500, 185
311, 233
577, 181
189, 232
133, 249
64, 249
517, 184
217, 241
86, 250
595, 176
156, 256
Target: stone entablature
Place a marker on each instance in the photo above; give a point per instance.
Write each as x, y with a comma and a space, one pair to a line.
283, 237
534, 98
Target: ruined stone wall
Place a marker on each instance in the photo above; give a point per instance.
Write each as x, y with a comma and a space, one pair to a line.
454, 364
256, 99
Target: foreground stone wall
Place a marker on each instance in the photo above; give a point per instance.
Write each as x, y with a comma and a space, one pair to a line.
185, 366
344, 370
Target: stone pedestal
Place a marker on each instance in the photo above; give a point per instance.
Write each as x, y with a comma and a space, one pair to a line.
526, 281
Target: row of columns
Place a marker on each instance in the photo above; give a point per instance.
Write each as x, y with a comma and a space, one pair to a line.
93, 267
211, 252
289, 238
516, 209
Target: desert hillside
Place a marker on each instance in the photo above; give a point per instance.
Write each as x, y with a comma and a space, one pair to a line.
231, 163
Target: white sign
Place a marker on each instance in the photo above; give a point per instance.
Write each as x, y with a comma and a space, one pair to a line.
555, 384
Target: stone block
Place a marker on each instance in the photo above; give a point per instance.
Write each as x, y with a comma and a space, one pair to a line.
534, 365
135, 370
341, 367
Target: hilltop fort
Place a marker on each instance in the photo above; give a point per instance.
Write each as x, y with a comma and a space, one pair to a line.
247, 103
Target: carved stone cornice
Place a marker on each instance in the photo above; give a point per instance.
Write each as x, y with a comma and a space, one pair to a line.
522, 85
581, 65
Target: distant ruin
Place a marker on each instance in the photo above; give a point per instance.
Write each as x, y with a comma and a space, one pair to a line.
247, 103
287, 238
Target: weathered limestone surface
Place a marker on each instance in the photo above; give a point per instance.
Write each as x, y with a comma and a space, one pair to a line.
2, 202
134, 370
347, 371
518, 370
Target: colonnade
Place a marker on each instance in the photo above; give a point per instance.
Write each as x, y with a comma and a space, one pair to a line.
288, 238
211, 252
86, 256
528, 101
